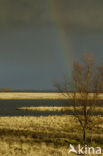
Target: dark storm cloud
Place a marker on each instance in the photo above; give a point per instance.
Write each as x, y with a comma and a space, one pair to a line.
22, 12
32, 52
83, 15
76, 15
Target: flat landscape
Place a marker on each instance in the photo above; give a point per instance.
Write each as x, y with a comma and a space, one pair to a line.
36, 124
30, 95
39, 95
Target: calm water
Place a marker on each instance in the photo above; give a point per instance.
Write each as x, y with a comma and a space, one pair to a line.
9, 107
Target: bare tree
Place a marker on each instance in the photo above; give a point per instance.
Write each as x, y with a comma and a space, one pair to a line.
87, 83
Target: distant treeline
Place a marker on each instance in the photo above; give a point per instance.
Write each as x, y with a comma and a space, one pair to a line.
37, 91
17, 90
31, 91
6, 90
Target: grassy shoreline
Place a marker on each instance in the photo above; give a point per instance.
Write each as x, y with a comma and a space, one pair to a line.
59, 109
41, 95
43, 135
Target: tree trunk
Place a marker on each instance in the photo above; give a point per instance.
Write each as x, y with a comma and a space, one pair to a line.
84, 136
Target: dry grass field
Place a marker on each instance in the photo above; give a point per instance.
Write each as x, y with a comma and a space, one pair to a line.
29, 95
41, 136
34, 136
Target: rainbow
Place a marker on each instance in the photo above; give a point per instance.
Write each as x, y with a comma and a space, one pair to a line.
64, 41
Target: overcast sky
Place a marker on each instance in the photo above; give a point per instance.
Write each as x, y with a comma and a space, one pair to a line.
39, 39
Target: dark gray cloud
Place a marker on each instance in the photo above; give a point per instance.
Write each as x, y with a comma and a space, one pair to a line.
83, 16
75, 15
32, 50
30, 59
22, 12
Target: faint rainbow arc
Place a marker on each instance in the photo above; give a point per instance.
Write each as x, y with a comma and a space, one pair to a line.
64, 43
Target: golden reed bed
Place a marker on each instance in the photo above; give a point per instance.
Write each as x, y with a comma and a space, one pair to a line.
46, 95
59, 109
